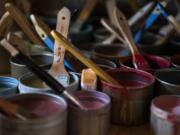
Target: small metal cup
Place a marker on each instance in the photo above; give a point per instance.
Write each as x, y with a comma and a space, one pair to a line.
8, 86
131, 101
161, 108
167, 82
50, 118
95, 120
42, 59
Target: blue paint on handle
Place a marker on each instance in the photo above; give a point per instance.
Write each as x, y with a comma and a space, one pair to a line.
149, 22
49, 43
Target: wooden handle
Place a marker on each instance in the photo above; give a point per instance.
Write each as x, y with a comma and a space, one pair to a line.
86, 11
74, 51
125, 30
23, 23
174, 23
110, 5
18, 43
5, 24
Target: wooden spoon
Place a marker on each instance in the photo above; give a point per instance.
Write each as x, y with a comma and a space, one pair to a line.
77, 53
86, 11
58, 70
23, 23
138, 60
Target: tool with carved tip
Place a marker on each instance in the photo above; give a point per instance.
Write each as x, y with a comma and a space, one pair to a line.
57, 69
138, 60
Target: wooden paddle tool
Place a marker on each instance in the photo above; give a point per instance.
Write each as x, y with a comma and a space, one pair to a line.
84, 14
138, 60
57, 69
77, 53
43, 75
132, 21
14, 111
5, 24
23, 23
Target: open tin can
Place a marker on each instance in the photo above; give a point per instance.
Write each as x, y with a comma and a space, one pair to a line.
50, 116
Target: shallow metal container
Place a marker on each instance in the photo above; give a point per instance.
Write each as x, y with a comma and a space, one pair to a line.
131, 100
53, 124
8, 86
29, 83
94, 121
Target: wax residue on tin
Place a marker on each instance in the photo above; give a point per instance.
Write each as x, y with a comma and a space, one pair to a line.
40, 108
132, 83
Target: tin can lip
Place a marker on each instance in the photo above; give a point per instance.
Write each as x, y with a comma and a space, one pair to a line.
162, 106
175, 60
97, 96
144, 74
14, 62
168, 70
37, 95
74, 77
9, 81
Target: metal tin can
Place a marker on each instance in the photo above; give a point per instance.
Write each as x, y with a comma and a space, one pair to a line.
51, 112
131, 100
161, 108
29, 83
8, 86
94, 121
167, 82
43, 59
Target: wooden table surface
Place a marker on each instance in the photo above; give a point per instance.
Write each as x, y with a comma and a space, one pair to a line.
139, 130
122, 130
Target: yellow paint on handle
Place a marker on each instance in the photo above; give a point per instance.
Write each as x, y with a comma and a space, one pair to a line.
74, 51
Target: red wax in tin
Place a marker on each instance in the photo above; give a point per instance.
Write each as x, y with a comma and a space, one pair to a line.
132, 83
40, 108
92, 104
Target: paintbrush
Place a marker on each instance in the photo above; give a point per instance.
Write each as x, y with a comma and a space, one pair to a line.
57, 69
43, 31
43, 75
5, 24
23, 23
77, 53
14, 111
84, 14
138, 60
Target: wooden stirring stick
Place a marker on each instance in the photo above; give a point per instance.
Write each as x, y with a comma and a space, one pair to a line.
13, 110
138, 60
5, 24
43, 75
86, 11
58, 70
23, 23
18, 43
74, 51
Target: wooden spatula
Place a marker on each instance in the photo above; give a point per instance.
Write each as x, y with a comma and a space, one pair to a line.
58, 70
5, 24
84, 14
138, 60
77, 53
23, 23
